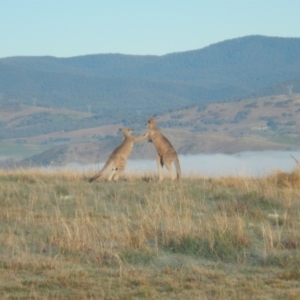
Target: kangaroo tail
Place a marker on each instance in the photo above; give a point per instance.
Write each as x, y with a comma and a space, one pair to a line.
106, 166
177, 167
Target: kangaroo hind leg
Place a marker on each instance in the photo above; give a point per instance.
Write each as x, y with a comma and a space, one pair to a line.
121, 166
113, 172
117, 174
168, 165
106, 166
160, 164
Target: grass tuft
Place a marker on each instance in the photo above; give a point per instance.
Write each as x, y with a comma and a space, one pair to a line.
284, 179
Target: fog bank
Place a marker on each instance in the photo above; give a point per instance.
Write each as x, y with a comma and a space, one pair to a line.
241, 164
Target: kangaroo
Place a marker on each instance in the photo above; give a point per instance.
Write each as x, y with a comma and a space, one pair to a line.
118, 158
166, 153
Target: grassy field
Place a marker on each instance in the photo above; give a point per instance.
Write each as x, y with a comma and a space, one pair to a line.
224, 238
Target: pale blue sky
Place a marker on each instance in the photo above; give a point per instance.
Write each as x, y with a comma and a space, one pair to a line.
65, 28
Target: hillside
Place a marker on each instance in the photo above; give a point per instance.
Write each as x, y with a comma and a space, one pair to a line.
236, 95
267, 123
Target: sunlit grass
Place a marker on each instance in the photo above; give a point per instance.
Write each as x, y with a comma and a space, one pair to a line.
229, 237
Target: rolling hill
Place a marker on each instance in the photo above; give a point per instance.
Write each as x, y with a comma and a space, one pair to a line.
267, 123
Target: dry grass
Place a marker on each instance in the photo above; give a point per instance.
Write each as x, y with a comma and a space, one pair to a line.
226, 238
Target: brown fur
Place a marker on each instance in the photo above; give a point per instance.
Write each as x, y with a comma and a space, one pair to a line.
118, 159
166, 154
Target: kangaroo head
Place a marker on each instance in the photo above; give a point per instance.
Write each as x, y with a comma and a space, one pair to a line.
151, 121
126, 131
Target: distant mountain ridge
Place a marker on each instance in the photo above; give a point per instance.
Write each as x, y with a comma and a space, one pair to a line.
223, 71
252, 54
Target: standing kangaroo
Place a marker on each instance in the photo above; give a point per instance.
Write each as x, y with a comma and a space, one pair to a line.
166, 153
118, 158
